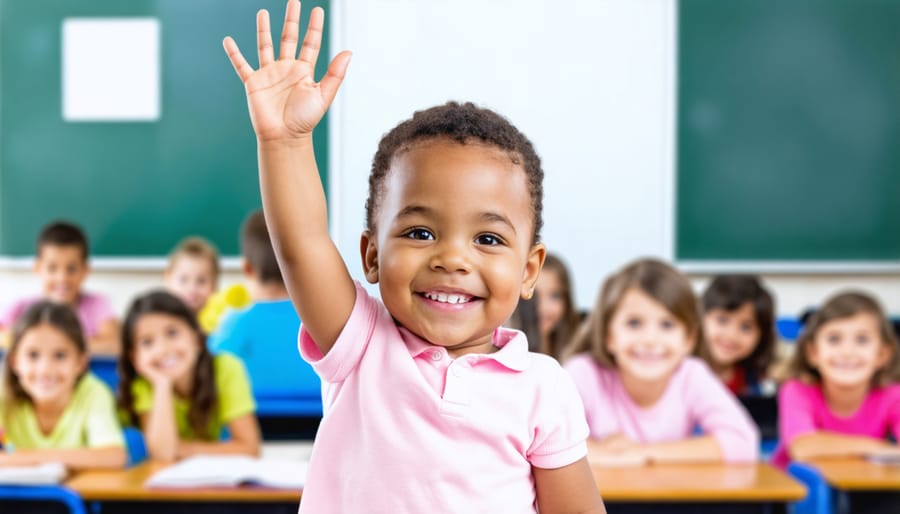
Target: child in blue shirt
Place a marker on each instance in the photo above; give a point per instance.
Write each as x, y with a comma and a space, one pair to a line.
264, 335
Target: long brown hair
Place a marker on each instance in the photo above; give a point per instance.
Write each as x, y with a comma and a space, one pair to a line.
60, 317
655, 278
841, 306
729, 293
203, 396
563, 332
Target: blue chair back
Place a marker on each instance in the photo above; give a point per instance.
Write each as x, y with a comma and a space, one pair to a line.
820, 497
46, 493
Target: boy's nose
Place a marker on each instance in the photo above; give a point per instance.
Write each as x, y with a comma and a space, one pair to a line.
450, 257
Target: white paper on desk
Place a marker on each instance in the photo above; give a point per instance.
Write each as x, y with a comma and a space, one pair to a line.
231, 470
43, 474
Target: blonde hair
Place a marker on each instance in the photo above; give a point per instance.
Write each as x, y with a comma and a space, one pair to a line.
195, 246
654, 278
841, 306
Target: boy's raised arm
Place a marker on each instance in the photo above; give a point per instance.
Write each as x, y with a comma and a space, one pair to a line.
285, 105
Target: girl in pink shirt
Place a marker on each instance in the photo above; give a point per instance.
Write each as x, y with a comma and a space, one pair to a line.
429, 405
644, 395
843, 399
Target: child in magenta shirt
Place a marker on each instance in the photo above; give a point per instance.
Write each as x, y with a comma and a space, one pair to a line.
429, 405
62, 265
644, 395
843, 399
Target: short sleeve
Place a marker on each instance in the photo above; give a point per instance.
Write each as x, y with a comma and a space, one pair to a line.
100, 309
719, 414
235, 395
101, 427
562, 430
11, 313
796, 411
351, 344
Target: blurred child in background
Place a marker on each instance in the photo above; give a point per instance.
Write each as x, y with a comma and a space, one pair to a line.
61, 263
52, 409
739, 332
843, 398
175, 390
557, 317
644, 395
192, 272
264, 335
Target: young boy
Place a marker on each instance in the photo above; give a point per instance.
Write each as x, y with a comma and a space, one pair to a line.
192, 273
264, 335
62, 266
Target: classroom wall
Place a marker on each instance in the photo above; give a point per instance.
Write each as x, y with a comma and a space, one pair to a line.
591, 83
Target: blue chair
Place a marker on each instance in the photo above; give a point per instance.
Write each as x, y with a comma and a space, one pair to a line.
134, 443
788, 328
104, 367
820, 497
51, 493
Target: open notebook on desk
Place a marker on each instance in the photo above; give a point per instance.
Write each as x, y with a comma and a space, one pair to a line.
43, 474
230, 471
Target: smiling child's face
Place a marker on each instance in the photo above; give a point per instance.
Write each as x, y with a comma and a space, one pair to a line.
453, 250
62, 270
47, 364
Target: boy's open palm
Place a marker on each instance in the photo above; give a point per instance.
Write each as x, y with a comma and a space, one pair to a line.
284, 99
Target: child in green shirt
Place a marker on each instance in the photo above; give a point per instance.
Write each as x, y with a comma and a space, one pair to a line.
51, 408
175, 390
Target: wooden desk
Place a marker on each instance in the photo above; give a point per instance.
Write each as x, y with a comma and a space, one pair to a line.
855, 474
697, 487
128, 485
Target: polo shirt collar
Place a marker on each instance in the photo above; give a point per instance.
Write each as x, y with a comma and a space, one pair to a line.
512, 347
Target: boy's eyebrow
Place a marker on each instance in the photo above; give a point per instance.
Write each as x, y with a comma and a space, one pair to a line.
421, 210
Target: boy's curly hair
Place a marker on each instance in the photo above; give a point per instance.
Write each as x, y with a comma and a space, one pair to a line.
463, 123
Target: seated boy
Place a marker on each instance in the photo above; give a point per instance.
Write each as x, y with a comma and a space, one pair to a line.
264, 335
61, 264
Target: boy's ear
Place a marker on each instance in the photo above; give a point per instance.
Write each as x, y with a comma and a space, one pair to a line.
533, 264
246, 267
368, 249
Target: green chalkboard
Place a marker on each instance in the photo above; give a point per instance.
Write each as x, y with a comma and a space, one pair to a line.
788, 130
136, 187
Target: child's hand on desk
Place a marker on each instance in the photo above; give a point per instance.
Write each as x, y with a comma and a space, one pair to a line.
616, 451
284, 99
20, 458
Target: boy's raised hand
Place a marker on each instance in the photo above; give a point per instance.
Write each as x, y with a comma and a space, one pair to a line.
284, 99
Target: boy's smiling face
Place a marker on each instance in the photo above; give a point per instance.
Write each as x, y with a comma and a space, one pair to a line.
453, 247
62, 269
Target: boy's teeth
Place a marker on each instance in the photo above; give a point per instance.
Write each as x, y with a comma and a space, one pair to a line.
448, 298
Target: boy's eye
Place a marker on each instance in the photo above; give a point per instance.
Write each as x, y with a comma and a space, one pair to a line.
489, 240
420, 234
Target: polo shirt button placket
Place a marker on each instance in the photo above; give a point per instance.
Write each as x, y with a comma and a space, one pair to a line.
436, 355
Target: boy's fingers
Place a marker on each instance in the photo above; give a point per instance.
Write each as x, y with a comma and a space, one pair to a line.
333, 78
237, 59
291, 31
309, 52
264, 38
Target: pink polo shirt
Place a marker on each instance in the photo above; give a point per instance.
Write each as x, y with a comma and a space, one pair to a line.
92, 310
694, 397
409, 429
802, 410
